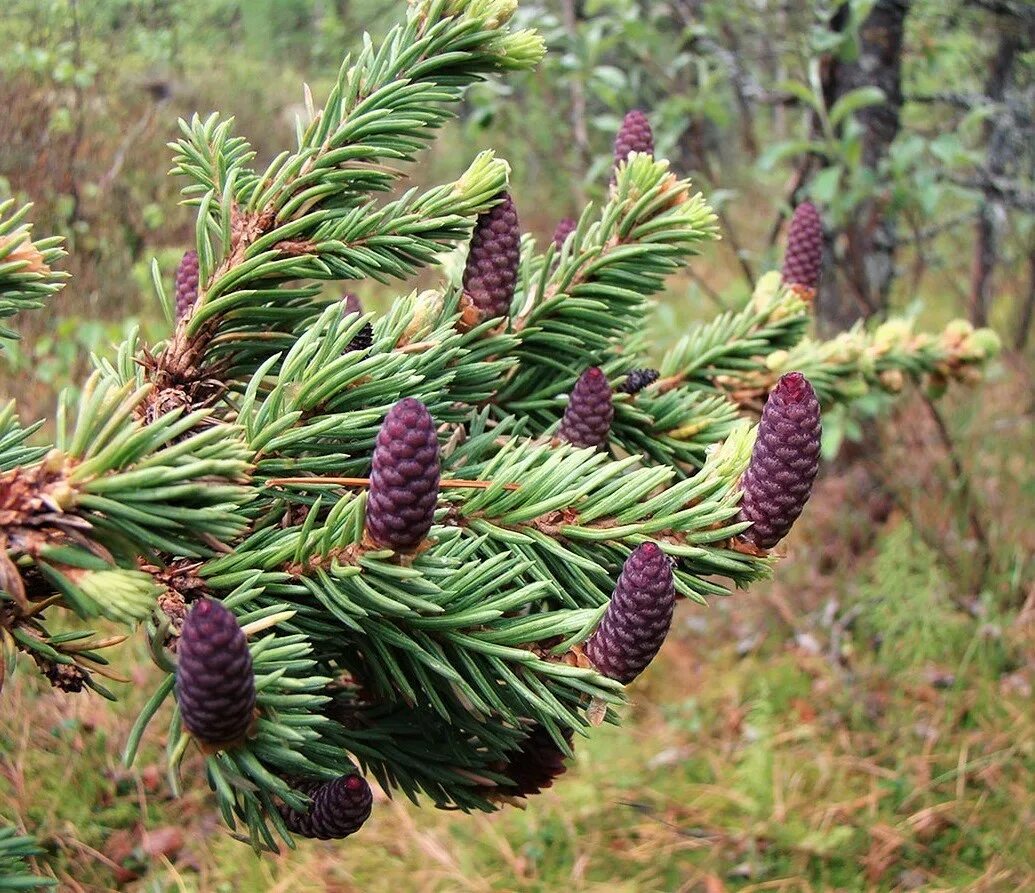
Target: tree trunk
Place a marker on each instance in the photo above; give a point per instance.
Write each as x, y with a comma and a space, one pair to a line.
868, 265
991, 212
1024, 319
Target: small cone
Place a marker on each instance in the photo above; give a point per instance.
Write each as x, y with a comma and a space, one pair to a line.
362, 340
352, 303
186, 283
784, 462
404, 478
638, 379
587, 418
565, 227
534, 767
803, 261
635, 135
492, 262
339, 808
637, 618
215, 685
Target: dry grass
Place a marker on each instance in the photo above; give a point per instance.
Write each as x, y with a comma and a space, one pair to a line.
847, 727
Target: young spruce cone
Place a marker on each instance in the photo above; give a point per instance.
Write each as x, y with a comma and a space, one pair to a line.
186, 283
783, 463
565, 227
637, 618
404, 478
364, 338
339, 808
587, 418
352, 303
215, 685
492, 262
803, 260
539, 761
638, 379
634, 135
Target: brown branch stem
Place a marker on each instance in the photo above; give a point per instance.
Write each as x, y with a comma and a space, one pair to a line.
447, 483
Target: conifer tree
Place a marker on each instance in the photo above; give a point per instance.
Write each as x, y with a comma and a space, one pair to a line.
389, 546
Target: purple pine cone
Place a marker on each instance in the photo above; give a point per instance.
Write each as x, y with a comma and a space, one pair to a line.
587, 418
339, 808
404, 478
492, 262
638, 379
362, 340
637, 618
215, 685
186, 283
634, 135
537, 763
351, 302
803, 261
565, 227
783, 463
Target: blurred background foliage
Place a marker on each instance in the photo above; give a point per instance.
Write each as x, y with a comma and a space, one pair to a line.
862, 723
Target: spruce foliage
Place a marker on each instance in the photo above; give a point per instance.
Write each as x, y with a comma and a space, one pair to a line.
232, 461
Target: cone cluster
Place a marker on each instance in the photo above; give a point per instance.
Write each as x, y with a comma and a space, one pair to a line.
803, 261
338, 808
215, 685
404, 478
784, 462
587, 418
490, 275
637, 618
186, 283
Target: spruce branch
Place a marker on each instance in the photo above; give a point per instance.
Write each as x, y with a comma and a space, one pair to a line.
236, 461
15, 873
27, 274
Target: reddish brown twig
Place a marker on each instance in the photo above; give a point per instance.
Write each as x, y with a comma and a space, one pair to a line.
451, 483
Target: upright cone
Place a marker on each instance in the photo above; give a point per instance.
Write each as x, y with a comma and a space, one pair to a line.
186, 283
492, 262
404, 478
587, 418
637, 618
215, 686
565, 227
784, 462
803, 260
338, 808
635, 135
